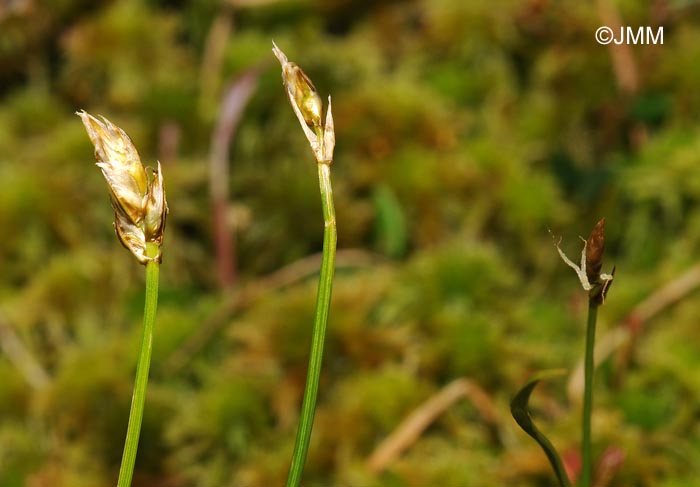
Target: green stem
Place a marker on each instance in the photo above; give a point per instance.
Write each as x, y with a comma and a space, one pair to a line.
586, 467
323, 302
126, 470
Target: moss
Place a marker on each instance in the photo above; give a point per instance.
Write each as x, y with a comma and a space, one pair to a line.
464, 132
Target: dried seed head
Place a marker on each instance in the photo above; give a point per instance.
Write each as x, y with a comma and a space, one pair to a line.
592, 280
139, 207
308, 107
595, 247
120, 164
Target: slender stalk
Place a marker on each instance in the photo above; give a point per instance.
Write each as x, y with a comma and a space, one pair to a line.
323, 302
586, 468
126, 470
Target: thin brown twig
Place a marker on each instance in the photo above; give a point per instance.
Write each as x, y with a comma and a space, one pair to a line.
411, 428
251, 3
624, 65
213, 56
235, 99
169, 137
668, 295
239, 298
624, 336
609, 464
20, 356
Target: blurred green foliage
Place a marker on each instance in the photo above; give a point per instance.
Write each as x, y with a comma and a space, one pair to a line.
465, 130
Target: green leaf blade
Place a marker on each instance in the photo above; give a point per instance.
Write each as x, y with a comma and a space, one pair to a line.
520, 412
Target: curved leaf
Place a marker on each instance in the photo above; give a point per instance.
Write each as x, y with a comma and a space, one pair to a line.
521, 414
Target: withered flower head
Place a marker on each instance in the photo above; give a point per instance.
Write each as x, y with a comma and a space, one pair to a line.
592, 280
139, 205
308, 108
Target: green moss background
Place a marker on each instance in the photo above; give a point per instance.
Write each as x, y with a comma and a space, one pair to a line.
465, 130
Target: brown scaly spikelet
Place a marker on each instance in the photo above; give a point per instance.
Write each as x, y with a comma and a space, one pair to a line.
589, 272
140, 207
595, 247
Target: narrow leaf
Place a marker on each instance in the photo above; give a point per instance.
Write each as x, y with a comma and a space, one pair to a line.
521, 414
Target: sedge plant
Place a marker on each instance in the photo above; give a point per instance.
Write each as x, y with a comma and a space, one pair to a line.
308, 108
597, 284
140, 210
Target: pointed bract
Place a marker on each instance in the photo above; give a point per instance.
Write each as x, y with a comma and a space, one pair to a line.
156, 208
328, 136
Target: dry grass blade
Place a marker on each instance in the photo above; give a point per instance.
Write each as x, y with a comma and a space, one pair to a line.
21, 357
410, 429
239, 298
624, 334
234, 101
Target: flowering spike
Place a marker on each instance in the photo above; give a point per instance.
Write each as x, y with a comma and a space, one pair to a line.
308, 107
139, 206
592, 280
